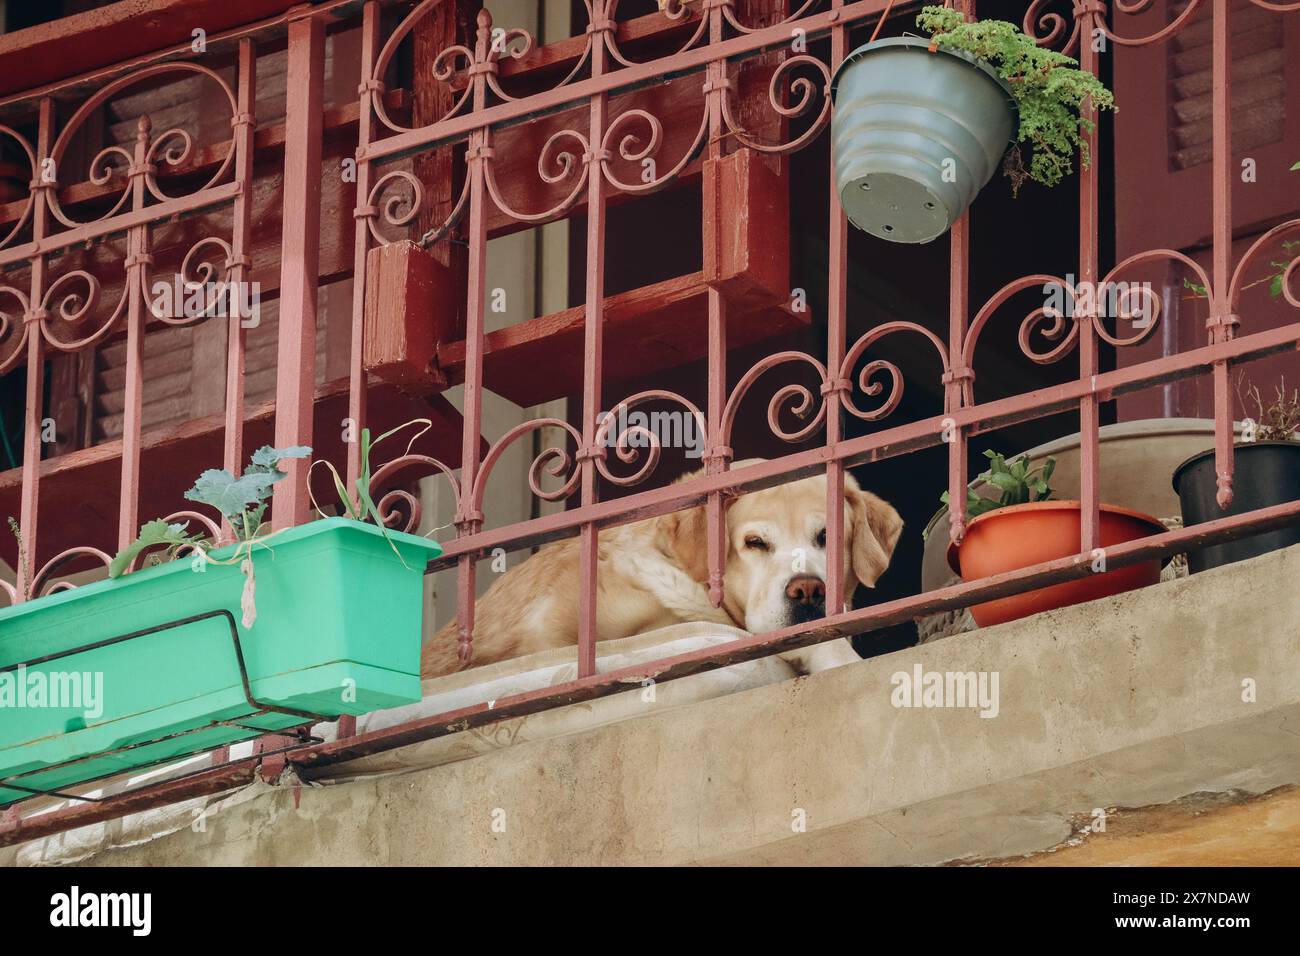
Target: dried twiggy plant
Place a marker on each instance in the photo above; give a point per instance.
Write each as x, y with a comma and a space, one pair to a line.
22, 547
1279, 420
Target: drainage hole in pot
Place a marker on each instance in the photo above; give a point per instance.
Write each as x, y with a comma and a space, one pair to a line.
889, 228
866, 185
929, 205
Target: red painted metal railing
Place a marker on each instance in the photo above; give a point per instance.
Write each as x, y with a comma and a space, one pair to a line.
584, 164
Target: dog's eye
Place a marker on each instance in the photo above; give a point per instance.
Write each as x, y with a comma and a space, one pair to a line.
821, 538
755, 542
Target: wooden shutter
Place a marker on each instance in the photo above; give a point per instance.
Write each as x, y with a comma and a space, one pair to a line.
1163, 127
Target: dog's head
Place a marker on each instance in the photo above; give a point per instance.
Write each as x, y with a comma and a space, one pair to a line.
776, 549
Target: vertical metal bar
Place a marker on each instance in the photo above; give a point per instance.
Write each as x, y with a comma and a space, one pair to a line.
717, 460
1221, 318
299, 269
836, 331
361, 241
1089, 408
594, 346
299, 262
360, 248
29, 511
137, 255
958, 380
469, 521
244, 126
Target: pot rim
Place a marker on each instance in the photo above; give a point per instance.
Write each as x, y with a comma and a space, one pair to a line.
1053, 505
307, 529
923, 44
1274, 442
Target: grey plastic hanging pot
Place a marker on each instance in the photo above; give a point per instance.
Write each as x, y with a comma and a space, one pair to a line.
916, 135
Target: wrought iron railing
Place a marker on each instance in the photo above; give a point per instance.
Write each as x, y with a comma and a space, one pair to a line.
585, 166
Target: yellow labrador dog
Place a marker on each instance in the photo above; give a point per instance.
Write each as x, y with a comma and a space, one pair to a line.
654, 573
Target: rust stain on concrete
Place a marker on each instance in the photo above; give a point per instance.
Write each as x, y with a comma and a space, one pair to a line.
1232, 828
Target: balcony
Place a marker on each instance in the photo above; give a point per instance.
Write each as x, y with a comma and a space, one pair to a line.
506, 223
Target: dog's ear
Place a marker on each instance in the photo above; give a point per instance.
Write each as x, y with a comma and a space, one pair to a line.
682, 534
876, 529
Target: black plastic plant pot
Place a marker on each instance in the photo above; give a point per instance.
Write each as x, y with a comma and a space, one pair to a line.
916, 135
1266, 473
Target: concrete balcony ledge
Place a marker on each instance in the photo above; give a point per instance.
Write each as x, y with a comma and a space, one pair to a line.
1142, 700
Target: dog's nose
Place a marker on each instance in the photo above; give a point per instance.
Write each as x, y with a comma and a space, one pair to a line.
806, 589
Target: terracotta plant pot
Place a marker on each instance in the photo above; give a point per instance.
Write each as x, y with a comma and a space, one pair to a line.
1020, 536
1130, 453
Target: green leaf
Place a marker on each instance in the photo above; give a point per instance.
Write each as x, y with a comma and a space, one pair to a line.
1049, 89
1004, 481
231, 495
348, 505
1017, 482
266, 458
371, 511
1295, 167
252, 520
152, 534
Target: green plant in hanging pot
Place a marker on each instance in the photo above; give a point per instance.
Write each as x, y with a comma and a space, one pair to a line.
1025, 526
921, 125
187, 662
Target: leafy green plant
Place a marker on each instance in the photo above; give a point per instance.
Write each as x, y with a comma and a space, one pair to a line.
362, 507
1017, 482
156, 533
242, 502
1275, 279
1048, 87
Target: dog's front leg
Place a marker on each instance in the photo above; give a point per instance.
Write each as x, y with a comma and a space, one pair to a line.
823, 656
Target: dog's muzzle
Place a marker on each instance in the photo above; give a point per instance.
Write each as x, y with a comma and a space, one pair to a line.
805, 596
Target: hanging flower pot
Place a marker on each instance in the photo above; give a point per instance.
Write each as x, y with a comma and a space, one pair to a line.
916, 135
155, 665
919, 126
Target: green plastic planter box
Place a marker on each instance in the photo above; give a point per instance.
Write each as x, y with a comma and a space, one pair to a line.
337, 632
